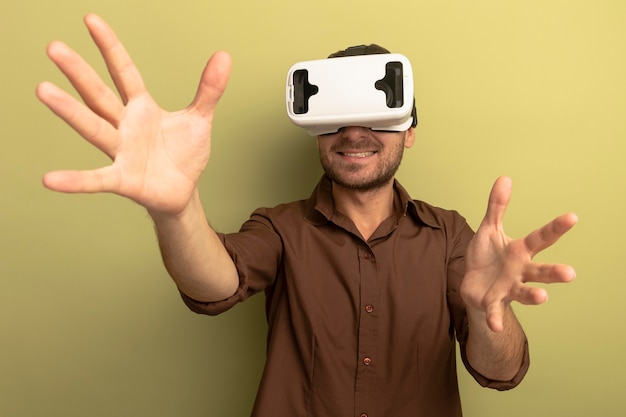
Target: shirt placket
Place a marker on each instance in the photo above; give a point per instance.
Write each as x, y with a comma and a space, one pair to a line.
365, 384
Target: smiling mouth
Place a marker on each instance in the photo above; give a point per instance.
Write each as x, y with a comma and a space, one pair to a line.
357, 154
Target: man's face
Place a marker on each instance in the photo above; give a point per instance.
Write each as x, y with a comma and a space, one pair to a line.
358, 158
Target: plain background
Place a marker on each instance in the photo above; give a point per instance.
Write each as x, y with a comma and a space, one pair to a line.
90, 324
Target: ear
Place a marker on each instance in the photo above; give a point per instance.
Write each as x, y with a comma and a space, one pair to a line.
409, 137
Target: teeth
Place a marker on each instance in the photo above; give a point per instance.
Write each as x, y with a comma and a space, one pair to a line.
358, 154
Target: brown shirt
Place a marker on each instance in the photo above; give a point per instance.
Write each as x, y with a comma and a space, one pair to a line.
356, 328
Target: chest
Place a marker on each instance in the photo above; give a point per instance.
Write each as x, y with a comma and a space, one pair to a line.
336, 281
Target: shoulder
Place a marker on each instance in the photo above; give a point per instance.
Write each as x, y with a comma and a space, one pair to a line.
436, 216
294, 208
273, 217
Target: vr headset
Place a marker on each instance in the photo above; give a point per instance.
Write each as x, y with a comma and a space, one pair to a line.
374, 91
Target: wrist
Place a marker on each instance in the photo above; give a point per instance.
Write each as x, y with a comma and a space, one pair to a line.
189, 210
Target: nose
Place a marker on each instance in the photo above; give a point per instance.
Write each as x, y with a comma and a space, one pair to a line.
354, 132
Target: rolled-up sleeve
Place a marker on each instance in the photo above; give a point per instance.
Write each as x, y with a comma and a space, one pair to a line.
256, 251
498, 385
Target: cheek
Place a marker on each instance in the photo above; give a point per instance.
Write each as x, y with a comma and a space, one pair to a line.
322, 152
324, 145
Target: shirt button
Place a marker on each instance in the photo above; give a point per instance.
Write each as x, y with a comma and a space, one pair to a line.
367, 361
369, 308
363, 415
368, 256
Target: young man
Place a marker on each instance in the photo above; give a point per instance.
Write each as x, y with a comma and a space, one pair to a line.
366, 288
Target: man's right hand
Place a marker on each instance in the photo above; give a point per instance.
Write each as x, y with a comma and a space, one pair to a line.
158, 156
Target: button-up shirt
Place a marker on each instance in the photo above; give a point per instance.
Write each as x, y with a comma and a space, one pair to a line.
356, 327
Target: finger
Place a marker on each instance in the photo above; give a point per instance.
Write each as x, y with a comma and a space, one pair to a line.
547, 235
123, 71
94, 181
93, 128
498, 201
95, 93
212, 83
548, 273
527, 295
495, 316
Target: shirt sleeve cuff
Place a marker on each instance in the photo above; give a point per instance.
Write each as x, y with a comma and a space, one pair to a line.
499, 385
213, 308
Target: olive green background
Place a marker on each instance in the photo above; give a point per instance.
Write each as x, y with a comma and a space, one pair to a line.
90, 323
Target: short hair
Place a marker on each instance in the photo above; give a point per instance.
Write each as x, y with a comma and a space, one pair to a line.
371, 49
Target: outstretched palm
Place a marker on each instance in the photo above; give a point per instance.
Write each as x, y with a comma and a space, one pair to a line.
158, 156
498, 268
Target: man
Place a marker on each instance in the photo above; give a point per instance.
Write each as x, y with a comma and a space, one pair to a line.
366, 288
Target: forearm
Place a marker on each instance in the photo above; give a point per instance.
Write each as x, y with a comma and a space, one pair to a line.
497, 356
193, 254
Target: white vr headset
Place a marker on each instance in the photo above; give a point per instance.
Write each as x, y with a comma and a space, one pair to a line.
374, 91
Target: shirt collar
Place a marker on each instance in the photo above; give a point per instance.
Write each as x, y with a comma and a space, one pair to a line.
320, 207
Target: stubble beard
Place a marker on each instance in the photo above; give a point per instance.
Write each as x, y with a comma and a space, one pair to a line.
346, 175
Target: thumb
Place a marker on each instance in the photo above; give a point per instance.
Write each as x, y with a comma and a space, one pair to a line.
98, 180
212, 83
498, 201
